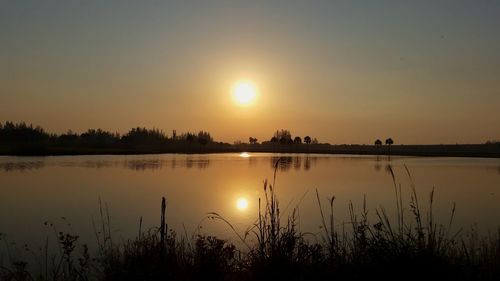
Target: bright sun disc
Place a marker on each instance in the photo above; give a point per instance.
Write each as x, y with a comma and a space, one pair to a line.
244, 93
242, 204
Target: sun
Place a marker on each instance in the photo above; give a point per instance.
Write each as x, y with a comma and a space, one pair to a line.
242, 203
244, 92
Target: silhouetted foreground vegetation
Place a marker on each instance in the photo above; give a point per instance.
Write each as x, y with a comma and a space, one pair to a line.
392, 247
23, 139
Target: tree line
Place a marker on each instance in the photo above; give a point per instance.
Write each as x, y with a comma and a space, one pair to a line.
284, 136
22, 133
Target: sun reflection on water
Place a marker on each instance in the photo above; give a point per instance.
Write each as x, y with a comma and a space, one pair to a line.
244, 154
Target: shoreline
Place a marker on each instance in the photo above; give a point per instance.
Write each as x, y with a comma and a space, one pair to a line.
456, 150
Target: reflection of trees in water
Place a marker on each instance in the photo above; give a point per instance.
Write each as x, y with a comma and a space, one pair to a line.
307, 163
297, 162
285, 163
148, 164
142, 165
378, 167
388, 168
132, 164
98, 164
157, 164
198, 163
21, 166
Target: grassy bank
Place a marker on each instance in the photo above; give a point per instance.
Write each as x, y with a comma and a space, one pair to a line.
409, 244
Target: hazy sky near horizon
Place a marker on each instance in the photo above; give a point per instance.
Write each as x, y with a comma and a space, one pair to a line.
341, 71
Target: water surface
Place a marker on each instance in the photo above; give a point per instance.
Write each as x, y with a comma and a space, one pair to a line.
66, 190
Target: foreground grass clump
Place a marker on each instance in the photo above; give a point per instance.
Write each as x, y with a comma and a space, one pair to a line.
391, 247
145, 259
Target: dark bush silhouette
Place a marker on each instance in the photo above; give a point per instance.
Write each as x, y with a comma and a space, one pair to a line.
99, 138
68, 139
15, 133
143, 136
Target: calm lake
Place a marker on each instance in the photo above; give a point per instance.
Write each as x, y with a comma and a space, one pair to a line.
67, 189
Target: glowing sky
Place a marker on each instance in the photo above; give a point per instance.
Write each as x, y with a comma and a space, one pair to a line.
344, 72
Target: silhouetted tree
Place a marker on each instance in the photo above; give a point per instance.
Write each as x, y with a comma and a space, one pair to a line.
69, 138
99, 138
189, 138
204, 138
378, 144
297, 140
307, 139
389, 142
205, 135
202, 141
143, 136
284, 136
252, 140
22, 133
274, 139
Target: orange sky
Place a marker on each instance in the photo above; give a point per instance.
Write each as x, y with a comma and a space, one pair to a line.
342, 72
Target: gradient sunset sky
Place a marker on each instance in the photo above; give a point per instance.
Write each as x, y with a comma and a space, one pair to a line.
341, 71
